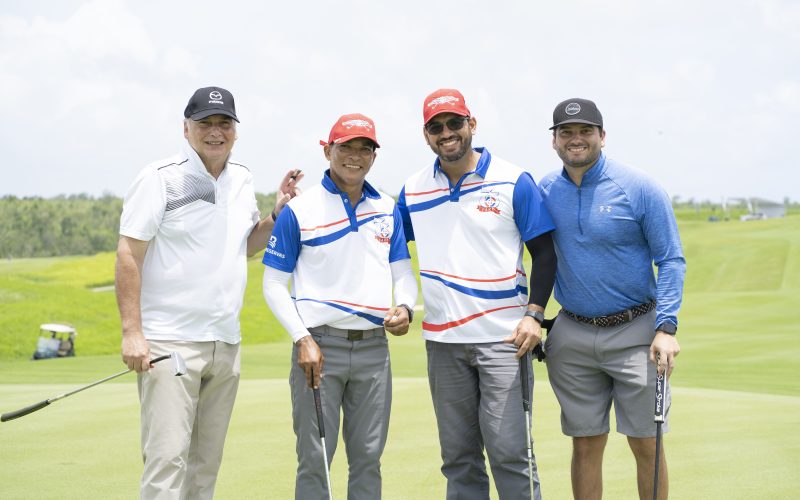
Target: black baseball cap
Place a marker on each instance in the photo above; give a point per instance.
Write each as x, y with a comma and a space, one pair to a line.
210, 101
577, 110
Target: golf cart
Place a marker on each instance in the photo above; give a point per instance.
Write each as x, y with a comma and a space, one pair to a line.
56, 340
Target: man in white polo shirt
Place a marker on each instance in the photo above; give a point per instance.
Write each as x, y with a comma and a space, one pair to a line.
470, 214
188, 224
341, 242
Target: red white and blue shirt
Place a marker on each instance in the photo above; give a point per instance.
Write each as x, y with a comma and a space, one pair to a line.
339, 256
470, 238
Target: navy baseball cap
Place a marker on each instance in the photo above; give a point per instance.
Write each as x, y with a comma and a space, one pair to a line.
210, 101
577, 110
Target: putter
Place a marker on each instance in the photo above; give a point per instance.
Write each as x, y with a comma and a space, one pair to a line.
178, 367
321, 425
524, 363
661, 381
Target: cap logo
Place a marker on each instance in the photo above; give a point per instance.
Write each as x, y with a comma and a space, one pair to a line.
445, 99
216, 97
573, 108
357, 123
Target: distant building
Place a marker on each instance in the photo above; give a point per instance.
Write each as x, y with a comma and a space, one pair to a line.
760, 208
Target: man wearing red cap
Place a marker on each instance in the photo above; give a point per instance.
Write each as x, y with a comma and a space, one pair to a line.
188, 224
470, 214
343, 247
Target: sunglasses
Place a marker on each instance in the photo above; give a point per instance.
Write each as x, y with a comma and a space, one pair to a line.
454, 124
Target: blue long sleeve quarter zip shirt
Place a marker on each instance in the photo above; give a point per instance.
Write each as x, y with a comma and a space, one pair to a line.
610, 231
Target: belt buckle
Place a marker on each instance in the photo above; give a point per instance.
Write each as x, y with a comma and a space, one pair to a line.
355, 334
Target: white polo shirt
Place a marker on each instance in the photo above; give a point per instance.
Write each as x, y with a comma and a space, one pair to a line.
195, 269
470, 246
338, 255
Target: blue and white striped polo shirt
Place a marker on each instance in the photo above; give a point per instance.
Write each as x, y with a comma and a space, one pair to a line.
470, 245
339, 256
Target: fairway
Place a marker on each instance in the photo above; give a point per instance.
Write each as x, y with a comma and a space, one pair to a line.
734, 420
86, 446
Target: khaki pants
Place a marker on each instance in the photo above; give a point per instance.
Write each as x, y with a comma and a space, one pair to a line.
184, 419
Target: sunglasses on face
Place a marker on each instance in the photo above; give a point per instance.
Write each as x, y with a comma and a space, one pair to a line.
454, 124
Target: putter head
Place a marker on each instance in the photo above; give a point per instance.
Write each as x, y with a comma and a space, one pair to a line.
178, 365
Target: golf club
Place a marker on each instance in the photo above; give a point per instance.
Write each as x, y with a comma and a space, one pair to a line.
524, 363
538, 351
178, 367
321, 425
661, 381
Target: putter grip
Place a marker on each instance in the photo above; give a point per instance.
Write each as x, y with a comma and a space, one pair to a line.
523, 379
24, 411
659, 410
318, 405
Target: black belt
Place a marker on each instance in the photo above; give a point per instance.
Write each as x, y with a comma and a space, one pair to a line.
615, 319
348, 334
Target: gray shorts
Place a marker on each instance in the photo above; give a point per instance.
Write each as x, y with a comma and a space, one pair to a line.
590, 367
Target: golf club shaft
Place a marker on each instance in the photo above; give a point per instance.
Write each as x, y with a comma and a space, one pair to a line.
321, 425
661, 380
524, 363
41, 404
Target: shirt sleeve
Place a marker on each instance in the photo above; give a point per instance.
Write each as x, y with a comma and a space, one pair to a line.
398, 248
276, 293
408, 229
661, 232
143, 207
530, 213
283, 247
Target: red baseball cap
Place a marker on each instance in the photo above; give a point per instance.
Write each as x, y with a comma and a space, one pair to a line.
444, 101
352, 126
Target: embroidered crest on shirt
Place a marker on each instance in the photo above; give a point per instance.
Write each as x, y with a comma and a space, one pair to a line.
605, 209
383, 230
489, 201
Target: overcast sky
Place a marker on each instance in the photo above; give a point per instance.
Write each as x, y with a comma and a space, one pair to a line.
703, 95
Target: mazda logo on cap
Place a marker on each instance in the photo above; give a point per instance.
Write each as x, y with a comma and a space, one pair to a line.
215, 95
573, 108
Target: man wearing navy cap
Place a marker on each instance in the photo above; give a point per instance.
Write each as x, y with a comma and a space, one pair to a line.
342, 245
613, 223
188, 224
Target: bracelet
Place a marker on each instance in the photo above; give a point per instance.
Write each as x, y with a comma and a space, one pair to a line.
274, 216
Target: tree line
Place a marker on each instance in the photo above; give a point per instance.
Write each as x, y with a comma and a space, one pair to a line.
67, 225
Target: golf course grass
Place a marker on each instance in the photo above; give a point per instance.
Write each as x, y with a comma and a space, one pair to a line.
736, 390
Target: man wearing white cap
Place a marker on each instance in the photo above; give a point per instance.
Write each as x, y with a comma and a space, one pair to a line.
342, 245
471, 215
188, 224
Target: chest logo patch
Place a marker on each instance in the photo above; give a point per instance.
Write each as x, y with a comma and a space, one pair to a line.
489, 201
605, 209
383, 230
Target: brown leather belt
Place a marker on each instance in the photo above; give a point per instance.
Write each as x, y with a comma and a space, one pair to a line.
348, 334
615, 319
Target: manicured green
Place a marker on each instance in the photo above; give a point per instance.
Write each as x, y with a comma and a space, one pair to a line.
734, 417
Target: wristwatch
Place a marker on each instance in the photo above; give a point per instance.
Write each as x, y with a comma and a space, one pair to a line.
537, 315
410, 312
666, 327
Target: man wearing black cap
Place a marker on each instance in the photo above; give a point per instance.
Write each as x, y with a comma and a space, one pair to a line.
613, 224
188, 224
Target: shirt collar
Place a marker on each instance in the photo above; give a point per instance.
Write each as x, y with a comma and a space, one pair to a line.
330, 186
197, 164
480, 168
593, 174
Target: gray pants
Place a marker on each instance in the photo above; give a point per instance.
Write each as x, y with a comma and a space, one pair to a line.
478, 403
356, 381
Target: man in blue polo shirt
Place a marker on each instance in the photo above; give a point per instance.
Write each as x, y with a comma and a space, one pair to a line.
471, 214
342, 244
612, 224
